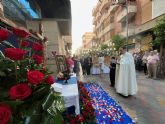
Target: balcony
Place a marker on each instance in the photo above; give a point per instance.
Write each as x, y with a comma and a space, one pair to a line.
131, 31
94, 21
104, 5
113, 8
98, 16
94, 11
132, 9
109, 28
101, 34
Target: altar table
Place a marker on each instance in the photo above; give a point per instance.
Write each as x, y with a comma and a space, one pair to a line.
69, 92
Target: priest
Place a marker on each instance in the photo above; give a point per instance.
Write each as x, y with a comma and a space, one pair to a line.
126, 83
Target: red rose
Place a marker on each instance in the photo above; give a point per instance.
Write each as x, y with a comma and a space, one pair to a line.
79, 118
35, 77
25, 44
20, 91
37, 47
3, 34
73, 121
38, 59
5, 113
21, 33
50, 80
15, 53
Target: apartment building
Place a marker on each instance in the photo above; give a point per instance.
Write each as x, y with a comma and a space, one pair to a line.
109, 19
87, 40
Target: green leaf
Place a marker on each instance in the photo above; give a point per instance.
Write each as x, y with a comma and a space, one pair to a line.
1, 54
41, 91
48, 101
8, 43
33, 119
2, 74
12, 103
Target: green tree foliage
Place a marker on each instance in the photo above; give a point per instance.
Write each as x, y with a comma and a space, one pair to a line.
159, 31
118, 41
104, 46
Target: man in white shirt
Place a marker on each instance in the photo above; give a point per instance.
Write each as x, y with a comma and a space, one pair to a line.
152, 62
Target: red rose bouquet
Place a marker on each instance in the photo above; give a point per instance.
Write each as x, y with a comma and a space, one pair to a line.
25, 84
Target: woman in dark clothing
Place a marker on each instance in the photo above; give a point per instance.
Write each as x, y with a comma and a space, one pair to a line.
88, 65
112, 71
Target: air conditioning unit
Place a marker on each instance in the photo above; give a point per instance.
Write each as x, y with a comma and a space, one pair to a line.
118, 1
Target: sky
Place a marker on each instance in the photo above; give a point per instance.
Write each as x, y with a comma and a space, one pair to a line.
81, 20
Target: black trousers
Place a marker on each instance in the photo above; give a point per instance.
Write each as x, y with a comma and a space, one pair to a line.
112, 76
145, 68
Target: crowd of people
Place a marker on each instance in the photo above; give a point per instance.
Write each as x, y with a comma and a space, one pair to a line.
121, 69
148, 62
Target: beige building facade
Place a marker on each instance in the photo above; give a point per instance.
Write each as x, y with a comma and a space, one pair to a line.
56, 41
109, 19
87, 40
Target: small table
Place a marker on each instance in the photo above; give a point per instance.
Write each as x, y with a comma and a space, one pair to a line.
69, 92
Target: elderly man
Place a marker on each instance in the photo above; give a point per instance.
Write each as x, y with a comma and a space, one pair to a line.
126, 82
152, 62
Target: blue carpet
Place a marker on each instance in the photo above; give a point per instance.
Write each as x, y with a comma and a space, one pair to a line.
106, 109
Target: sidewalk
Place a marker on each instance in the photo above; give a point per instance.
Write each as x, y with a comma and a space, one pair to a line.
147, 107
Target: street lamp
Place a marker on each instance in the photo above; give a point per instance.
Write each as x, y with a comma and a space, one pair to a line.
126, 5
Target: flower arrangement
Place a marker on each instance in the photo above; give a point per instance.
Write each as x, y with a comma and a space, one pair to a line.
87, 115
25, 83
87, 110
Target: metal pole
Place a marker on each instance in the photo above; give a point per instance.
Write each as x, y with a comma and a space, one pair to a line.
127, 25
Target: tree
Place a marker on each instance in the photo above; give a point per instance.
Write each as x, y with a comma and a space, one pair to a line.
118, 41
159, 32
104, 46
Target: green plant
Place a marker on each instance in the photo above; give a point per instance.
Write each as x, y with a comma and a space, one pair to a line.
104, 46
118, 41
25, 84
159, 32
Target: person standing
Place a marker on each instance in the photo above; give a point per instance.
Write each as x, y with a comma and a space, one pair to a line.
144, 59
126, 82
112, 71
101, 63
70, 63
89, 65
152, 61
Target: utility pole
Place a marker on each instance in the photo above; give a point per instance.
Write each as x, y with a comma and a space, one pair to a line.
126, 5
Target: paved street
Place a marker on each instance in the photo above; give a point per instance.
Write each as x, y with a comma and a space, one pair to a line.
147, 107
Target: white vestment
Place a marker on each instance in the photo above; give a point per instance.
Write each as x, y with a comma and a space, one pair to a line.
101, 62
126, 83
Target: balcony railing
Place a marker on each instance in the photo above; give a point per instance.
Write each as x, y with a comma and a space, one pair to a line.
131, 31
105, 4
94, 11
98, 16
113, 8
109, 28
94, 21
132, 9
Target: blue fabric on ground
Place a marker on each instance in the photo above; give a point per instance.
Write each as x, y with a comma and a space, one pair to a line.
72, 80
106, 109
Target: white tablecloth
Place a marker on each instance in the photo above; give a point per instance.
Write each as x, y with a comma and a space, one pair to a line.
96, 70
70, 94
